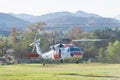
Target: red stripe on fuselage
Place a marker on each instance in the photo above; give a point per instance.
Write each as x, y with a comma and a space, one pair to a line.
57, 56
77, 54
31, 55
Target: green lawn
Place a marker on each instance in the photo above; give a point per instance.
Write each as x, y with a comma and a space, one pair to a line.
60, 72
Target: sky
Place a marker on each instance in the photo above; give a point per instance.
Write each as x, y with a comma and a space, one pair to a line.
105, 8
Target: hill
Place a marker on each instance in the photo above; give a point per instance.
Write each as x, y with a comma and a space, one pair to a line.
66, 20
25, 17
7, 21
66, 15
55, 15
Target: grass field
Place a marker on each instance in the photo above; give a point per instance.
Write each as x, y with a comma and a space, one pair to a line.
60, 72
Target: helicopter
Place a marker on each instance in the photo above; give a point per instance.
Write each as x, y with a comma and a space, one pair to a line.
60, 51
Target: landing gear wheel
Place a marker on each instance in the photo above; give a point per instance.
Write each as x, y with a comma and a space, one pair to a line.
77, 61
44, 62
61, 60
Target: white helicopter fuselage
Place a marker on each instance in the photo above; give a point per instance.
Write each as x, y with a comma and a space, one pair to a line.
59, 52
62, 53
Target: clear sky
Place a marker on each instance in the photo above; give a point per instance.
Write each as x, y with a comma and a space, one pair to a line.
106, 8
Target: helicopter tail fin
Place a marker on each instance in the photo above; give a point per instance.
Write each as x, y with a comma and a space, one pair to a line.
37, 46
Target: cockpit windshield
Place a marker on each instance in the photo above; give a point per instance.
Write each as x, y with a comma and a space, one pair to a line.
75, 49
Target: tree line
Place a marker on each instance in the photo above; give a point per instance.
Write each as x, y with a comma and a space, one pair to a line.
107, 51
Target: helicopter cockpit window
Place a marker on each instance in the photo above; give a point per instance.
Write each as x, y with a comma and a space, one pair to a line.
75, 49
72, 49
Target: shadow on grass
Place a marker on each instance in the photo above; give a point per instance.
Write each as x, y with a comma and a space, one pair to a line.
90, 75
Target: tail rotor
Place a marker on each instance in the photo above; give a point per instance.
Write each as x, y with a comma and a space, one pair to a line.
36, 45
33, 44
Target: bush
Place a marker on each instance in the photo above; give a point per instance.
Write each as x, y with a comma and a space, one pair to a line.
111, 54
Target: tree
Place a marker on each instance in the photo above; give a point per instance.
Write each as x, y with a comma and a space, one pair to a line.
3, 45
109, 34
74, 33
13, 37
113, 52
20, 40
101, 55
90, 53
37, 27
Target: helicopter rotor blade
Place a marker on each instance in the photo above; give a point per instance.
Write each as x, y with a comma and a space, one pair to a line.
33, 48
35, 41
87, 40
31, 44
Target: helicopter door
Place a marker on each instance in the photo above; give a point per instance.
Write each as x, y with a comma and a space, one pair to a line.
65, 52
57, 54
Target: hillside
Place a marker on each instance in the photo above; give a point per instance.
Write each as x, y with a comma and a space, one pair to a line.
59, 20
66, 20
55, 15
66, 15
7, 21
25, 17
